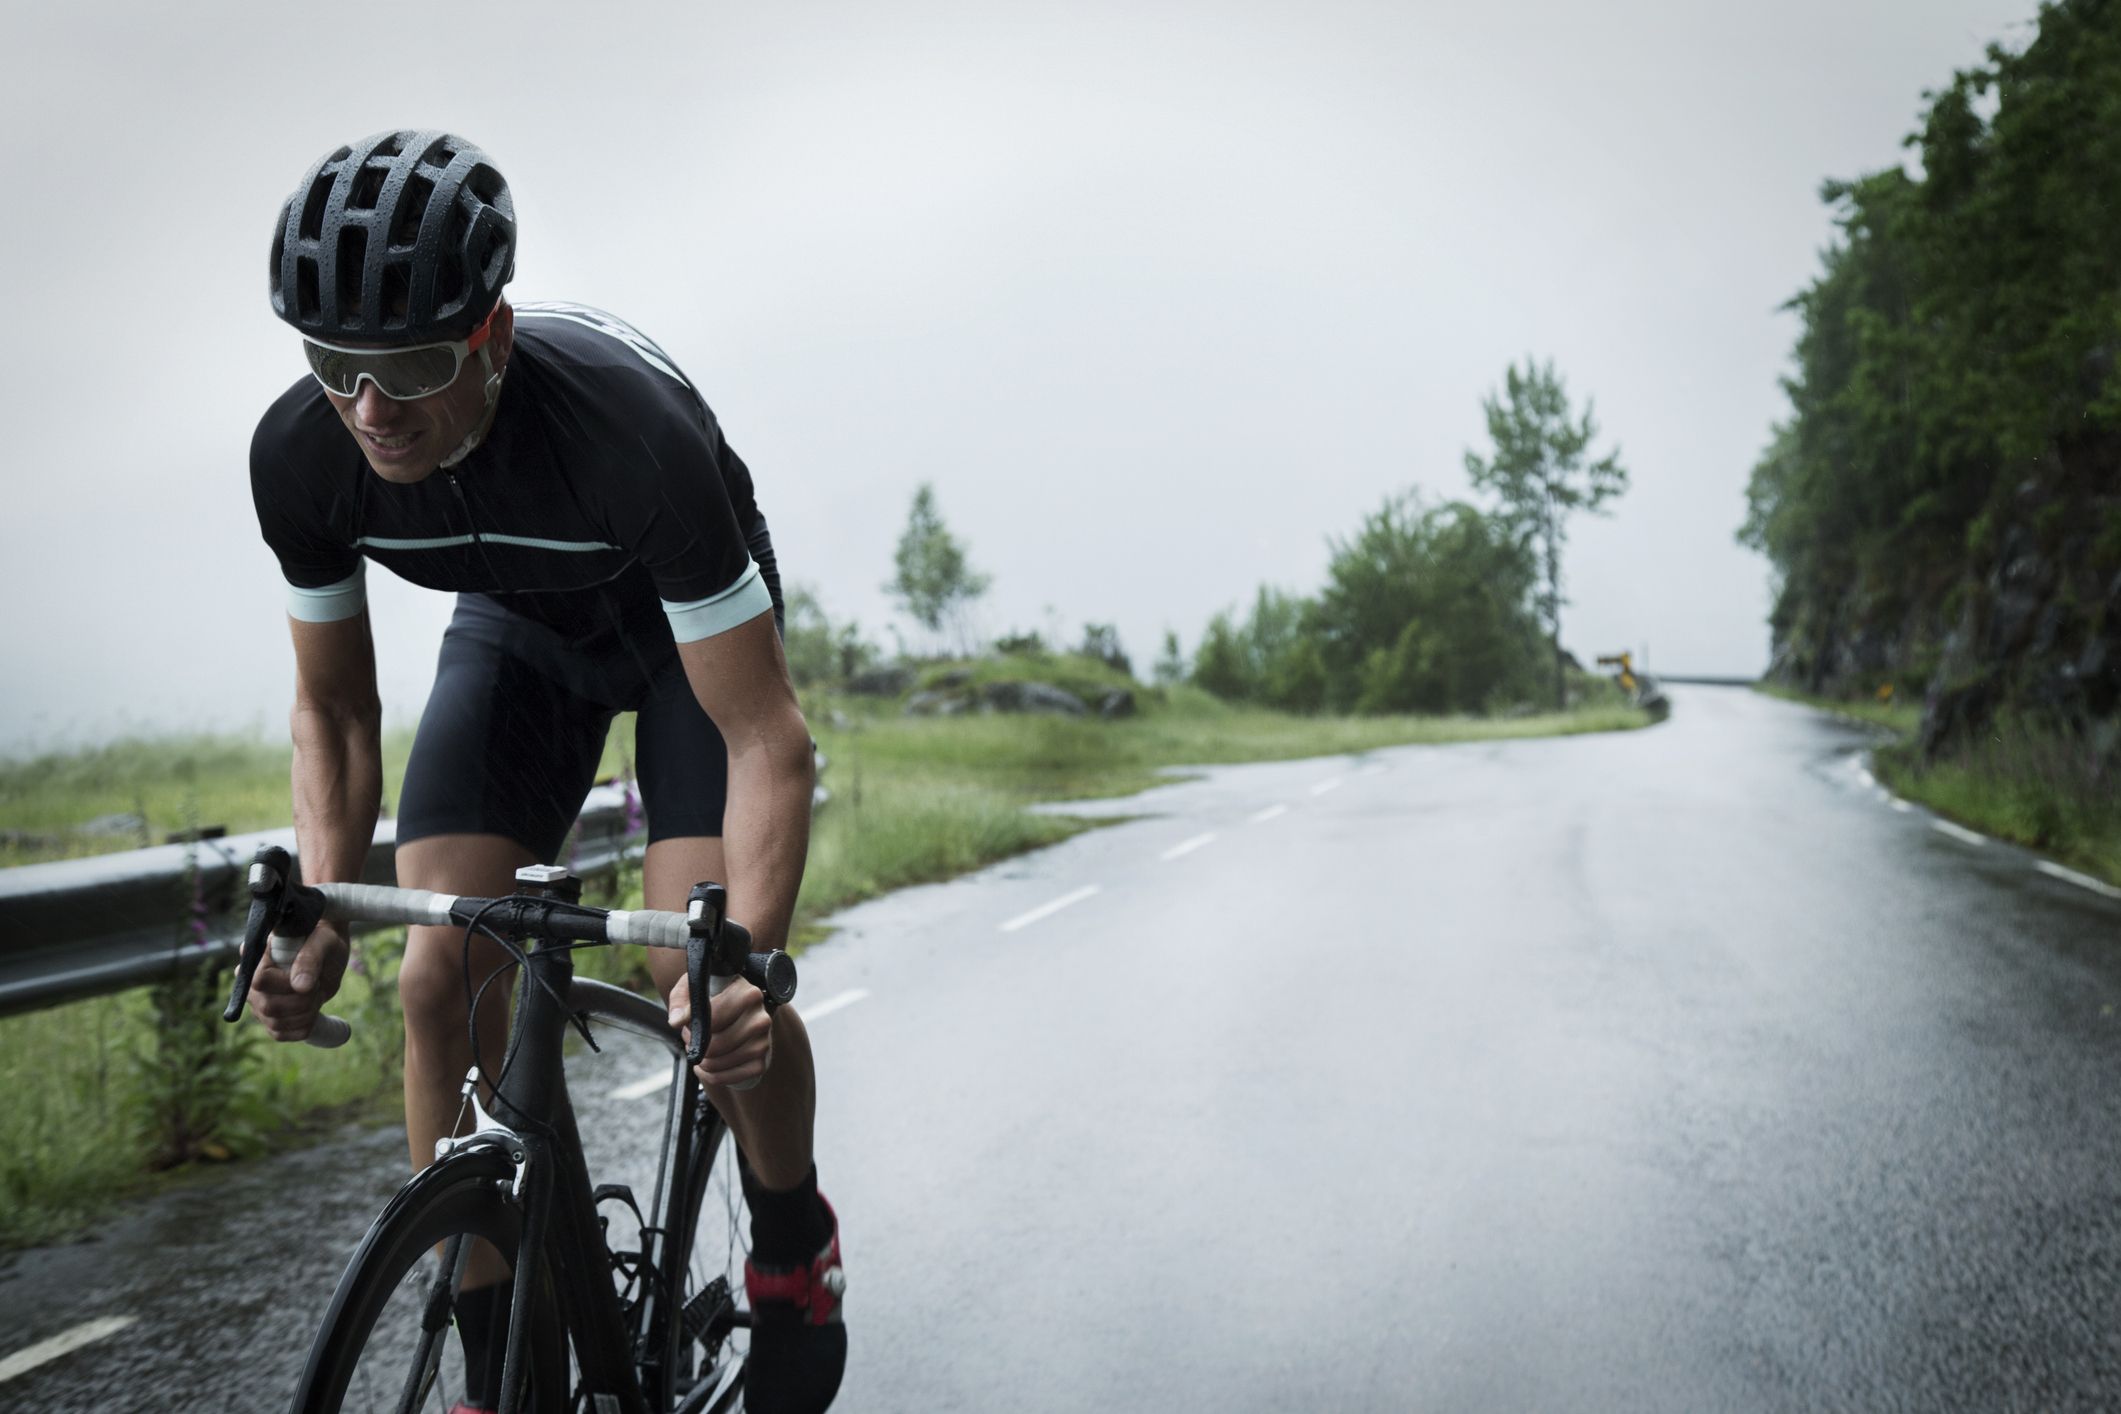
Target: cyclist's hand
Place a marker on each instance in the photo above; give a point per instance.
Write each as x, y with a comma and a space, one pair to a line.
740, 1038
287, 1002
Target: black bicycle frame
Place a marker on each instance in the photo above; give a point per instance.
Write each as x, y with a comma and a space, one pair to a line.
560, 1221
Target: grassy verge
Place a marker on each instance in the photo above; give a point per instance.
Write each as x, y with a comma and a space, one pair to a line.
2022, 781
914, 800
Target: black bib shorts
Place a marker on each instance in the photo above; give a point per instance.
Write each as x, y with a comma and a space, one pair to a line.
514, 729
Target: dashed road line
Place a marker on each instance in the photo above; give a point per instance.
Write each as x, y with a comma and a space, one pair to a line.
1902, 806
1186, 847
1025, 920
660, 1081
1866, 777
1375, 770
647, 1085
1957, 832
2082, 881
1261, 817
65, 1343
1329, 783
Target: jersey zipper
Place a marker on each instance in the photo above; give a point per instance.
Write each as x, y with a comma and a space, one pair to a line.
478, 540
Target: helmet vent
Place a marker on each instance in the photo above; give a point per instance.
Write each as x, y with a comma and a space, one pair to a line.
353, 256
485, 184
449, 281
406, 235
412, 205
493, 253
312, 227
396, 296
367, 186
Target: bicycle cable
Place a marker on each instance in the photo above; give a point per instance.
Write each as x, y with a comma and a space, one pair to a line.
517, 958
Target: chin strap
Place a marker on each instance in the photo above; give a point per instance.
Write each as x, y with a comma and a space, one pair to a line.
477, 435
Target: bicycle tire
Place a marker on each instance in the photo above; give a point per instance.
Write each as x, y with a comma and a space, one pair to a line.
715, 1241
457, 1195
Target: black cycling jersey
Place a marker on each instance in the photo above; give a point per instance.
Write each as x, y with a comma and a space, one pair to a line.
602, 492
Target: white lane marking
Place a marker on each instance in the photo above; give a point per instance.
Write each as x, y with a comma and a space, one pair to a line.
1330, 783
1964, 836
1186, 847
1373, 770
1902, 806
1047, 910
647, 1085
1866, 777
660, 1081
1271, 812
66, 1342
838, 1002
2082, 881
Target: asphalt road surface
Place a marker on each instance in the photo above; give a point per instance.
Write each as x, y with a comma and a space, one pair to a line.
1674, 1070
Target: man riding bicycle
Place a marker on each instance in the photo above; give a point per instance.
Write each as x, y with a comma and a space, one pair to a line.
552, 467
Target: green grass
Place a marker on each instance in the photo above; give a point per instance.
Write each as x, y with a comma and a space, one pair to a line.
2021, 781
913, 800
1900, 717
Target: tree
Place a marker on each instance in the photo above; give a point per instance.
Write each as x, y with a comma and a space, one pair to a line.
935, 584
1541, 474
1271, 658
1101, 641
1220, 667
1428, 609
817, 649
1171, 662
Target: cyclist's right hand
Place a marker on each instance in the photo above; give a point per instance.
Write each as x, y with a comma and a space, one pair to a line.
287, 1001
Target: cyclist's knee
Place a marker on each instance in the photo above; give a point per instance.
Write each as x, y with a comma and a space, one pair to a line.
431, 990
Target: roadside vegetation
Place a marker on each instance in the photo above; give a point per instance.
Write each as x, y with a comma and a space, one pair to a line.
1429, 631
2022, 780
95, 1111
1942, 503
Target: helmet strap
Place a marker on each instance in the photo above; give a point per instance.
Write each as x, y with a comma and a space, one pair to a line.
477, 434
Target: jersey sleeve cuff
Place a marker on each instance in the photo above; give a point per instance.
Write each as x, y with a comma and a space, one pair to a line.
740, 603
330, 603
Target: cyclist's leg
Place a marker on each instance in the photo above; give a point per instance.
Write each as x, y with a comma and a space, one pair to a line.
684, 771
502, 759
798, 1346
431, 981
773, 1120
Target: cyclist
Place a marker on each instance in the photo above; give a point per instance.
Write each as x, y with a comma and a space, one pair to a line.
552, 467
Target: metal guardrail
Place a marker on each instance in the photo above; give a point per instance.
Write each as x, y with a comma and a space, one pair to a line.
1692, 680
84, 927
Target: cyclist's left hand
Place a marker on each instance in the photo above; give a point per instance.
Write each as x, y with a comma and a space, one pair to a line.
740, 1037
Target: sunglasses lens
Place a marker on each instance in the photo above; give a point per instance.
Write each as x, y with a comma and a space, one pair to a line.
398, 373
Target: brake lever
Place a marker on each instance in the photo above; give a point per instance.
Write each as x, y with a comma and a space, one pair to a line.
705, 911
269, 869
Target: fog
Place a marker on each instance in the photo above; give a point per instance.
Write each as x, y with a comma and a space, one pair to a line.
1160, 298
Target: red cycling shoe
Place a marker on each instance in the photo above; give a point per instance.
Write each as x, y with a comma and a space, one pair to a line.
798, 1341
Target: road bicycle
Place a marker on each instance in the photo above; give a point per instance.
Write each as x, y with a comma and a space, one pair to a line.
653, 1328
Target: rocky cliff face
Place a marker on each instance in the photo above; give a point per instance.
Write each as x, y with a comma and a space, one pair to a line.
2033, 626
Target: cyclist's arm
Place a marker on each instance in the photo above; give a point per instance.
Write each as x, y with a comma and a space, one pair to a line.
338, 787
337, 729
741, 679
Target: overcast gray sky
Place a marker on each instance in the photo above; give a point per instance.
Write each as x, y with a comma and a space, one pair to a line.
1159, 296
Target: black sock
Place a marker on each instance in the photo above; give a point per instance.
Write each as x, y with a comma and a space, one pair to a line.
482, 1324
789, 1226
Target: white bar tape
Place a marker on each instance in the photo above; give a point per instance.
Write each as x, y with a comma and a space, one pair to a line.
329, 1032
650, 927
380, 903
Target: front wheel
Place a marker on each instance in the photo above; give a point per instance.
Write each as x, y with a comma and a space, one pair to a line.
385, 1343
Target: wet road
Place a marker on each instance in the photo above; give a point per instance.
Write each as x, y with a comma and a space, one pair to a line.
1674, 1070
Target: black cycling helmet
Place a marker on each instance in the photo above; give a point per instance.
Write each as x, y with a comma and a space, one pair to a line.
404, 237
